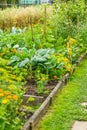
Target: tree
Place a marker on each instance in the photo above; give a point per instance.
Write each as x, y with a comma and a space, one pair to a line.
4, 3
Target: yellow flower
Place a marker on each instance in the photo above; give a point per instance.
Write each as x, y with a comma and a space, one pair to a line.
15, 97
11, 87
1, 94
65, 59
68, 69
43, 79
9, 97
58, 61
6, 92
4, 101
1, 90
15, 50
71, 40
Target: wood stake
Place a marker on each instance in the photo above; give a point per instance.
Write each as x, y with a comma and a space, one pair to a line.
69, 27
32, 33
45, 16
78, 27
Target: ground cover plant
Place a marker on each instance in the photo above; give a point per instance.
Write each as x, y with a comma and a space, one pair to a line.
37, 55
10, 97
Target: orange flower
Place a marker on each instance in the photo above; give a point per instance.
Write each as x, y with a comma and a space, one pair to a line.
15, 97
55, 77
15, 50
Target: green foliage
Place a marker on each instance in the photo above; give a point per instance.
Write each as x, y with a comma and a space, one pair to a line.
10, 98
67, 108
56, 44
41, 80
83, 34
66, 18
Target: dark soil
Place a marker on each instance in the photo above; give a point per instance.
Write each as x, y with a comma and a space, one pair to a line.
31, 88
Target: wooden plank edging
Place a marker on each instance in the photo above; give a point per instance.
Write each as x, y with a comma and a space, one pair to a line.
29, 125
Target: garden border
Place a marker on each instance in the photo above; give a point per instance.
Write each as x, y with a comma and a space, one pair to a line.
31, 123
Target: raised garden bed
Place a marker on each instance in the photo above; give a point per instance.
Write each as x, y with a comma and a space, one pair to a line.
46, 100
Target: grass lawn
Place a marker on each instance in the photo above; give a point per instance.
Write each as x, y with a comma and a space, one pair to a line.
66, 107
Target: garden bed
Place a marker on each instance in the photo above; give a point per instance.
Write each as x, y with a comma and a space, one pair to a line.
33, 54
47, 99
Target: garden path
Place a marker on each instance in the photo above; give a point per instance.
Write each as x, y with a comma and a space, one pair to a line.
80, 125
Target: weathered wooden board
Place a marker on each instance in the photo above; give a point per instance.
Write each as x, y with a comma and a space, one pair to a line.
37, 99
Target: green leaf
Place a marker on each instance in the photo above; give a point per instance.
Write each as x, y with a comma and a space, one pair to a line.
60, 65
14, 59
23, 63
31, 99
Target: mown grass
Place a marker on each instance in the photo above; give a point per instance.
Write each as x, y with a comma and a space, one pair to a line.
67, 105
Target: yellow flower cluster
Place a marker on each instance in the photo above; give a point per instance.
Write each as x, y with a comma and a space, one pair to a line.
69, 47
7, 96
65, 59
66, 62
68, 67
61, 58
4, 101
71, 40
